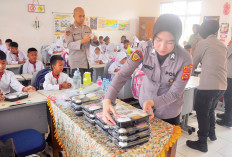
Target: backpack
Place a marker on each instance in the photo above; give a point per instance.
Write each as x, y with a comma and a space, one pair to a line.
40, 78
136, 83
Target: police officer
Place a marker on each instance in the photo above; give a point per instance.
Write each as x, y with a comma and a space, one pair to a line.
226, 117
212, 53
167, 67
79, 37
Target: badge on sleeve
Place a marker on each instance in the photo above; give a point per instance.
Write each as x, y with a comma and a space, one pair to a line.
136, 56
186, 72
67, 33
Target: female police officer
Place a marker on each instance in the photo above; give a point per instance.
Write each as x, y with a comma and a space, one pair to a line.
167, 67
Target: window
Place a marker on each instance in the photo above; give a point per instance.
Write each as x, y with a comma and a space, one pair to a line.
189, 12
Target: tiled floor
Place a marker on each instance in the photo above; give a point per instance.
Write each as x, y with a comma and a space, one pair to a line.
222, 147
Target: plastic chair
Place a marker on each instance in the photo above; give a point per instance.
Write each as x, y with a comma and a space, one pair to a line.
26, 142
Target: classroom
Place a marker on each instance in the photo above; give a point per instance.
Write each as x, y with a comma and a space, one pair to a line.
116, 78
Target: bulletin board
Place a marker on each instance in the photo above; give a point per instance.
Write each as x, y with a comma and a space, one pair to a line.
61, 22
103, 24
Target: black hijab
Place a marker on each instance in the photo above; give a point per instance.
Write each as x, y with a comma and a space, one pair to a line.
170, 23
208, 27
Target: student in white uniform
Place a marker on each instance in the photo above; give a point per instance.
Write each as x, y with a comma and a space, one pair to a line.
2, 46
117, 65
105, 45
101, 41
32, 64
56, 79
111, 51
121, 45
15, 56
7, 43
8, 79
97, 57
56, 48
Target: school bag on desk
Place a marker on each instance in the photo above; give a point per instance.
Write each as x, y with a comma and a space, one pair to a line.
40, 78
136, 83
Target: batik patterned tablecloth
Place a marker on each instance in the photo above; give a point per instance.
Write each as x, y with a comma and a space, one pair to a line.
80, 138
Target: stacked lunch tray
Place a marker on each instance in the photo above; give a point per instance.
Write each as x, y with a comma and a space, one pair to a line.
132, 127
79, 101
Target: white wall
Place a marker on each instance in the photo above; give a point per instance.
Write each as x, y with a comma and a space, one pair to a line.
215, 8
16, 22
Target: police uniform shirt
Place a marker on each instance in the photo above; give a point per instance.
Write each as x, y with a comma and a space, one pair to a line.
79, 55
163, 84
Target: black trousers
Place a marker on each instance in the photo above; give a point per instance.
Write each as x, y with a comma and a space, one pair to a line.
228, 101
82, 71
205, 104
173, 121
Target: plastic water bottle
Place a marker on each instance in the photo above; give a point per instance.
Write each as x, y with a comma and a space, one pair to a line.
107, 83
99, 81
77, 80
104, 83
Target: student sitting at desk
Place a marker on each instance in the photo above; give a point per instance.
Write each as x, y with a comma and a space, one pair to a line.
56, 79
56, 48
101, 40
127, 47
111, 52
7, 79
98, 57
32, 65
15, 56
121, 45
120, 60
7, 42
105, 45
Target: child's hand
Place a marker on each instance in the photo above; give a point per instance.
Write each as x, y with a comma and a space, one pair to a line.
1, 96
115, 50
66, 85
55, 52
22, 62
29, 89
99, 61
116, 70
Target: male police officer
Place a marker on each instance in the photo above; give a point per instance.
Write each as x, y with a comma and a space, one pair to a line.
79, 37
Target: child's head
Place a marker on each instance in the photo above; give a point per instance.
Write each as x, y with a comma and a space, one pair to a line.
7, 42
57, 64
123, 60
123, 38
101, 39
2, 61
32, 54
126, 43
121, 57
107, 40
97, 50
14, 47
